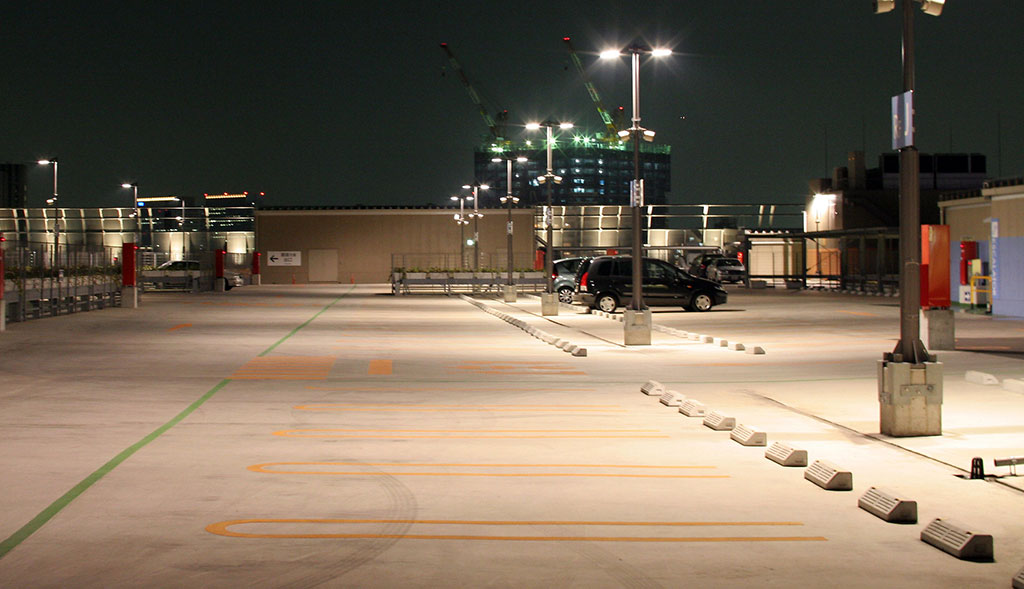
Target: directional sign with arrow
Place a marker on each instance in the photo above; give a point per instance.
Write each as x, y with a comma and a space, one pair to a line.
284, 258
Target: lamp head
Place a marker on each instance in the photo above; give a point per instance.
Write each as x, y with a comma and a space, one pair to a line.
882, 6
932, 7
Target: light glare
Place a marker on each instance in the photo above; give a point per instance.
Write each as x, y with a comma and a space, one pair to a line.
610, 54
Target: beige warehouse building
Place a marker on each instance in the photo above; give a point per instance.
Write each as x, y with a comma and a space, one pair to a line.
363, 245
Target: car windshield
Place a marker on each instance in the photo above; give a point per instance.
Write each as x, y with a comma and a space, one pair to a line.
729, 262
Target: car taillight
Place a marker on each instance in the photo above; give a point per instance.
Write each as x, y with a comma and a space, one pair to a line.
583, 281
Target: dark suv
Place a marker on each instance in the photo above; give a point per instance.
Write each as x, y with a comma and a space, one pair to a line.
606, 282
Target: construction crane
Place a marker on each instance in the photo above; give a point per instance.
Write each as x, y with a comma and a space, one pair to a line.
497, 128
613, 125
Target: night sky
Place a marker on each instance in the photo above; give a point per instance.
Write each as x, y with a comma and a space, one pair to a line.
345, 103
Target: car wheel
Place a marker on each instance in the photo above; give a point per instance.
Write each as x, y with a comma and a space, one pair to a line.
701, 302
565, 294
607, 302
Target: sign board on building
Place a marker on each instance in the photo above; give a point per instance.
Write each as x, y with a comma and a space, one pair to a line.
284, 258
903, 120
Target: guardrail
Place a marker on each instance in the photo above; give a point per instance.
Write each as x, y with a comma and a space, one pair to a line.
35, 298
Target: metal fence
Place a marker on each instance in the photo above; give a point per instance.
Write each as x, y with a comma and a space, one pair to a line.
41, 280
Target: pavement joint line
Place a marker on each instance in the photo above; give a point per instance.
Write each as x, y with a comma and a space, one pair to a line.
51, 511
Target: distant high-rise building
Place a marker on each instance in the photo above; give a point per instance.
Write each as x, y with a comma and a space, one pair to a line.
593, 172
13, 188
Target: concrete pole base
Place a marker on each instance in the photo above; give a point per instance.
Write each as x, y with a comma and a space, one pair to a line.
218, 284
3, 313
937, 329
910, 398
254, 280
508, 292
130, 297
548, 304
636, 327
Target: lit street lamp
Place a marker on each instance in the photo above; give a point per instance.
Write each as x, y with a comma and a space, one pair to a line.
52, 202
460, 219
508, 199
475, 215
637, 331
549, 300
909, 374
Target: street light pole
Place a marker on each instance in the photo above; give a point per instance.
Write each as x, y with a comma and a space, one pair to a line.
636, 320
549, 300
476, 214
909, 378
460, 219
509, 199
56, 215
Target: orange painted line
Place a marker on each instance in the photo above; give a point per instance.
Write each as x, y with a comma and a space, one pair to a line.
468, 434
473, 522
858, 313
454, 437
379, 367
262, 467
373, 389
460, 408
222, 529
266, 469
180, 326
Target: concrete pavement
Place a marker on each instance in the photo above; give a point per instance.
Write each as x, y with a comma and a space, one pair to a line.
335, 436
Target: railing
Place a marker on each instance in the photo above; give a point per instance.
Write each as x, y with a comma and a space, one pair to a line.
452, 282
40, 281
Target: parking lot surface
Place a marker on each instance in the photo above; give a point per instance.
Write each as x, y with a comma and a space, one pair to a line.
338, 436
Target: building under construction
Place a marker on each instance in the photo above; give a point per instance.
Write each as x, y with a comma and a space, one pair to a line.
593, 172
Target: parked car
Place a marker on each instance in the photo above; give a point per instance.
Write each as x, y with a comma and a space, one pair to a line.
564, 273
699, 265
606, 282
181, 272
726, 270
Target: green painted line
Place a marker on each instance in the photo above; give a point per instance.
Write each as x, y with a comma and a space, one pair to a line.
310, 320
57, 506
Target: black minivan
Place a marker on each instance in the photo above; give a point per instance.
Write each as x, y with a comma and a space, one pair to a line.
606, 282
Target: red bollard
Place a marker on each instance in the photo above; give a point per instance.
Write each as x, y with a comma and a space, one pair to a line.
219, 285
255, 279
128, 277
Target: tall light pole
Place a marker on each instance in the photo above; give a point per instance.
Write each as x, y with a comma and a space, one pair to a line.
509, 199
636, 324
909, 374
52, 202
135, 206
475, 215
549, 300
460, 219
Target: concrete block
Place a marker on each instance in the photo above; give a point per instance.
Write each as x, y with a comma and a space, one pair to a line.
786, 455
722, 343
579, 352
636, 327
549, 304
1013, 385
719, 422
692, 336
758, 284
571, 348
706, 339
888, 506
910, 398
937, 329
829, 476
652, 388
737, 347
1018, 579
673, 398
754, 350
958, 540
130, 296
692, 408
748, 436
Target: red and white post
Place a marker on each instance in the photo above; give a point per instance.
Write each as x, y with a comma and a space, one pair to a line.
218, 272
129, 290
255, 278
3, 304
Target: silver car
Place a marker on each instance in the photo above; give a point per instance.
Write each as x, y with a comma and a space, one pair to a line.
726, 270
564, 271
